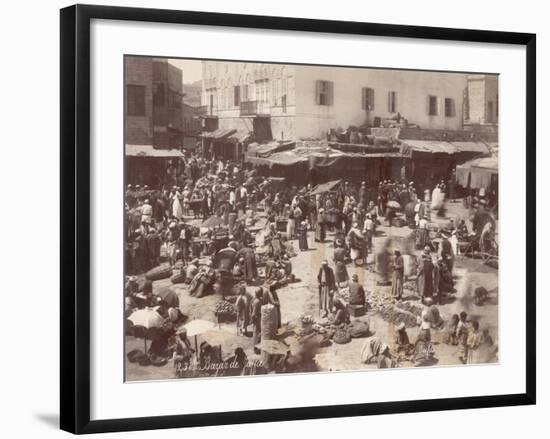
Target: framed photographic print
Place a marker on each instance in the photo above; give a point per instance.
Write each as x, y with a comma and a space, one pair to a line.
273, 218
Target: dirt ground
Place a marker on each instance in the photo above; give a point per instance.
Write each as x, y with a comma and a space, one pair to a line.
301, 298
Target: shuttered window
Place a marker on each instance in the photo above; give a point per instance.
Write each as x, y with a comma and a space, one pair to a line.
432, 105
367, 98
324, 92
236, 95
392, 102
450, 110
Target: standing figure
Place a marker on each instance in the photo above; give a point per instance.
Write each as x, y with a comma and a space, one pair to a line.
256, 318
340, 273
243, 311
320, 232
398, 272
425, 275
327, 286
302, 236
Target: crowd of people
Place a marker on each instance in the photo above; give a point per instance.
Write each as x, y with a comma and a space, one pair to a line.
206, 228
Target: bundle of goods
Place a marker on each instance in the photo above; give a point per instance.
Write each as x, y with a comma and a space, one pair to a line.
358, 329
307, 320
224, 310
395, 314
178, 277
268, 322
343, 293
399, 222
341, 336
160, 272
135, 355
157, 361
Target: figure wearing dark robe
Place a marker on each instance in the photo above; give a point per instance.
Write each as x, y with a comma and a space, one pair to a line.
302, 237
425, 277
320, 227
250, 269
326, 287
356, 293
340, 272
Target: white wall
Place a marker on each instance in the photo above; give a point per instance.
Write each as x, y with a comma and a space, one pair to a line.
412, 88
30, 221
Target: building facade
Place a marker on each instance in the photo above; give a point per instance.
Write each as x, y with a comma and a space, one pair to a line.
138, 94
153, 103
298, 102
481, 101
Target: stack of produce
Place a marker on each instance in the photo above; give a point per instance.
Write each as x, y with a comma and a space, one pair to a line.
396, 313
268, 322
224, 310
341, 336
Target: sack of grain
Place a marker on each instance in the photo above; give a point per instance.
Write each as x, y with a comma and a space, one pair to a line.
160, 272
178, 278
358, 329
268, 322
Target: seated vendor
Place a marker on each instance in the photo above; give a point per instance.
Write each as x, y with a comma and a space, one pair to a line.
191, 270
238, 270
287, 265
356, 292
341, 316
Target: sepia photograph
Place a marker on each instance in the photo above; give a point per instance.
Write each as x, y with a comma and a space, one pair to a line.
298, 218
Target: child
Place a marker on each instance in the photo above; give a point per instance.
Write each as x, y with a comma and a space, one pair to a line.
462, 337
452, 338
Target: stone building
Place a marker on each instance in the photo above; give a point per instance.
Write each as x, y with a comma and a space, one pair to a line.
153, 102
278, 101
138, 79
481, 103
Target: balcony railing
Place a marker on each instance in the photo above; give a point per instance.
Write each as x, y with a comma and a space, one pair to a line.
202, 110
254, 108
205, 110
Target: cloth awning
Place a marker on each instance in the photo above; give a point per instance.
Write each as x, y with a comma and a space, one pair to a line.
325, 187
240, 136
220, 133
149, 151
478, 172
436, 146
267, 149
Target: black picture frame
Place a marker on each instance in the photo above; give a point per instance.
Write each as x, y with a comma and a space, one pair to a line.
75, 217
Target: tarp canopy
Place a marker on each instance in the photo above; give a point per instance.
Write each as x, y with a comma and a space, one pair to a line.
220, 133
436, 146
149, 151
267, 149
316, 157
240, 136
477, 173
325, 187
